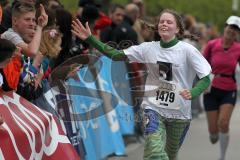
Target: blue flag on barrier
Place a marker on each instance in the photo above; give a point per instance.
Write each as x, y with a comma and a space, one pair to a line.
48, 102
99, 130
113, 78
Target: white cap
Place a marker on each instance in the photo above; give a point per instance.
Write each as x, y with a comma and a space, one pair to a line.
233, 20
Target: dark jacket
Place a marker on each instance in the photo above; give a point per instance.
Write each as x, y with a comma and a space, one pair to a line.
125, 32
106, 34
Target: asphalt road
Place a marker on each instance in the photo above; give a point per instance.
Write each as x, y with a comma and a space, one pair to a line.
196, 145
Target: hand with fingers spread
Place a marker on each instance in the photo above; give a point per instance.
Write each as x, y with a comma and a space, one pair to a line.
43, 18
80, 31
186, 94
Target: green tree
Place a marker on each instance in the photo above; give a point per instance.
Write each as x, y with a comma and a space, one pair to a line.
207, 11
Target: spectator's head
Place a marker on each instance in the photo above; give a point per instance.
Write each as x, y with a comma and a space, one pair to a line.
212, 31
21, 8
140, 5
51, 42
132, 11
32, 2
4, 3
117, 13
54, 4
83, 3
7, 48
201, 30
232, 28
189, 22
90, 14
24, 21
64, 22
49, 4
146, 29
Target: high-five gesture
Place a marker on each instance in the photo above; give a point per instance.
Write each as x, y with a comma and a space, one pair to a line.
80, 31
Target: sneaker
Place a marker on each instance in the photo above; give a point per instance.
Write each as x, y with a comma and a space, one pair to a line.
213, 138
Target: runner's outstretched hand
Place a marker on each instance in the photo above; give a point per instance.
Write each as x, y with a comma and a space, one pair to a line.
80, 31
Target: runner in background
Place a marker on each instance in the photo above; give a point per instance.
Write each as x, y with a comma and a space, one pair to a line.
172, 65
223, 55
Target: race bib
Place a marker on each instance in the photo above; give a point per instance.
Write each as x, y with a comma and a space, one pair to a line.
166, 96
163, 92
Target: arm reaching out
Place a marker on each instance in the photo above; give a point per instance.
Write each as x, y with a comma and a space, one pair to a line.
84, 33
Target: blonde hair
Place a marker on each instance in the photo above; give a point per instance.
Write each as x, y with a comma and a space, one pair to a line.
20, 8
48, 45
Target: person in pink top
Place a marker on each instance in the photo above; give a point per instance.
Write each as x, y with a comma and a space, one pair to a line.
223, 55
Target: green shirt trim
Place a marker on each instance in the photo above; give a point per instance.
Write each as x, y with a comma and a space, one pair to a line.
114, 54
169, 44
201, 86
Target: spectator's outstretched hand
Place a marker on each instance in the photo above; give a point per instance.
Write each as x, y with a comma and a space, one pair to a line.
43, 18
80, 31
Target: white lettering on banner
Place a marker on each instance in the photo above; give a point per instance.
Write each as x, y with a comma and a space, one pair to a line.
51, 100
112, 120
123, 87
112, 115
49, 95
28, 122
83, 132
75, 140
1, 155
93, 123
102, 82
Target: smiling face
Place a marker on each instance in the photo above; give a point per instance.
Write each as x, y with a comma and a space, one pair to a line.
167, 27
25, 25
230, 33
